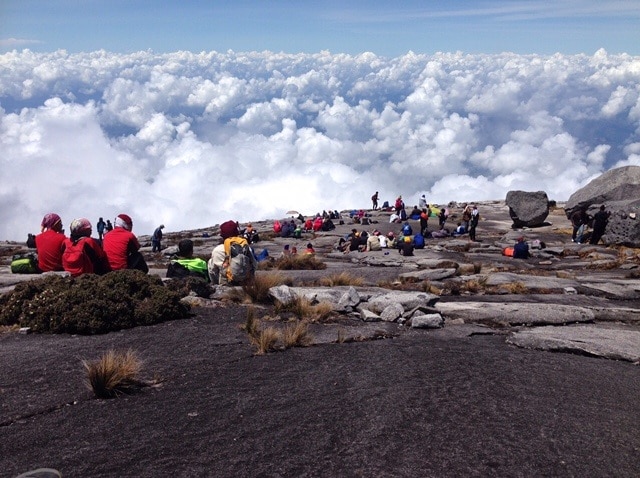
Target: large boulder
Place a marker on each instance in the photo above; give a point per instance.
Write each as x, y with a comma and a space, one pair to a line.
528, 209
619, 190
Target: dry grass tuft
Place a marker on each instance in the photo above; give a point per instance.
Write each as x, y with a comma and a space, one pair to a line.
297, 335
302, 308
516, 288
115, 373
299, 262
258, 289
266, 340
342, 278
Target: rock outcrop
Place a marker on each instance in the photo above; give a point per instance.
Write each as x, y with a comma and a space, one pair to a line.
619, 190
528, 209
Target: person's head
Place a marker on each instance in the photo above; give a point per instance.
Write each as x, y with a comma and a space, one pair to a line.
161, 226
124, 221
51, 221
309, 246
99, 219
602, 207
294, 250
520, 239
229, 229
286, 247
185, 248
80, 228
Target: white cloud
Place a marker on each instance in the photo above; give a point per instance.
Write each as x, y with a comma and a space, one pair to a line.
192, 140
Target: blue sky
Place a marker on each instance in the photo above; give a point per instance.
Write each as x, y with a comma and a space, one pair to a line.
382, 27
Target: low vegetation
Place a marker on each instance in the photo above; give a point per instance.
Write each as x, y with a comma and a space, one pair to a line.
113, 374
304, 309
294, 263
273, 338
91, 304
342, 278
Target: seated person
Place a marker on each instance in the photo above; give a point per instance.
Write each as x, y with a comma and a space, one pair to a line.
286, 251
220, 264
250, 234
185, 264
405, 247
82, 253
373, 243
395, 218
50, 243
310, 250
459, 230
521, 249
122, 247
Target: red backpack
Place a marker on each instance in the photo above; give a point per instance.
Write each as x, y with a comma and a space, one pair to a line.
75, 258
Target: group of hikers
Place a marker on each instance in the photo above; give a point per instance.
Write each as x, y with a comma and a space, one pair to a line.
117, 248
581, 221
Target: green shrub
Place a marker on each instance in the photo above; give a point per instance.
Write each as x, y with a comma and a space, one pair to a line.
91, 304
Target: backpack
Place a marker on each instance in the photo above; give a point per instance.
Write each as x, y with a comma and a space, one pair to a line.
406, 230
403, 214
239, 264
418, 241
25, 263
75, 258
180, 268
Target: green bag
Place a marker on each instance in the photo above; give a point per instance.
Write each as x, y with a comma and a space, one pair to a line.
26, 263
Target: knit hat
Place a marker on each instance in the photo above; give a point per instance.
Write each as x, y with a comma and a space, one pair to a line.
229, 229
185, 247
124, 221
80, 227
52, 221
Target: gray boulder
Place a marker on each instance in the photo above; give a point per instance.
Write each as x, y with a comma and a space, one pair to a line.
528, 209
619, 190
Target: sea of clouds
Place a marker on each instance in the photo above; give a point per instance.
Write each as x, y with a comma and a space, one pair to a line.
193, 139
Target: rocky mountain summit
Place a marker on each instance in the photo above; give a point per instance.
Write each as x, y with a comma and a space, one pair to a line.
579, 298
429, 365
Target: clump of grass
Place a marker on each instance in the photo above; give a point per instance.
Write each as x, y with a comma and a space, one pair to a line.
299, 262
297, 335
115, 373
266, 340
516, 288
342, 278
251, 325
302, 308
258, 289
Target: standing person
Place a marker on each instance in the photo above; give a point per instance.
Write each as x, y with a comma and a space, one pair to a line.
156, 239
49, 243
600, 221
578, 219
442, 217
424, 221
83, 254
122, 247
466, 217
399, 205
108, 227
422, 202
374, 200
100, 229
473, 223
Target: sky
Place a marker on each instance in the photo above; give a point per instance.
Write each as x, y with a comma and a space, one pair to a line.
189, 115
338, 26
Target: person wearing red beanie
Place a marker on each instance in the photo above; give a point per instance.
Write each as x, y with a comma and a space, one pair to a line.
122, 247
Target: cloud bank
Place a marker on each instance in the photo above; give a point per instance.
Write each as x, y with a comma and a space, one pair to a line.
193, 139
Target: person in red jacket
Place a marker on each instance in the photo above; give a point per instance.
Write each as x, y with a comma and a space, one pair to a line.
83, 254
122, 247
50, 243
